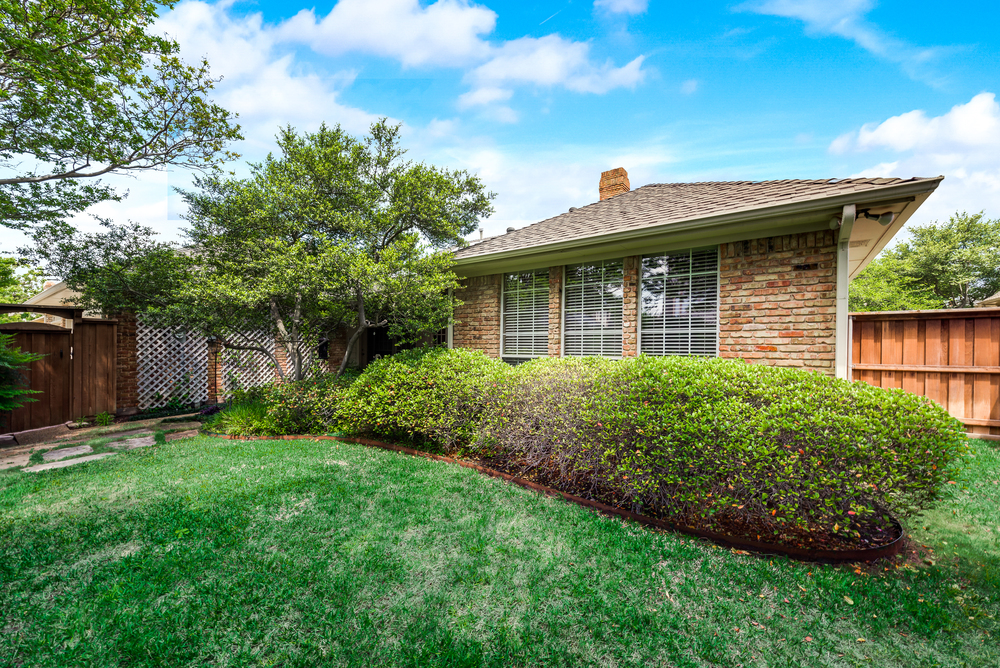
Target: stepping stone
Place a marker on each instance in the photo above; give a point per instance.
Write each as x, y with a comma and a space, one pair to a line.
133, 443
180, 426
67, 462
181, 434
123, 434
56, 455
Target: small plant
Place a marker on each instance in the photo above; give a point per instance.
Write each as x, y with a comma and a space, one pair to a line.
104, 419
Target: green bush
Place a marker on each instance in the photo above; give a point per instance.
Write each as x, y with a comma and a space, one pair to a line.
248, 418
711, 443
14, 391
308, 406
433, 396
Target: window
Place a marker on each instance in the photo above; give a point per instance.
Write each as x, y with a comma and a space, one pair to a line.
592, 309
525, 314
679, 308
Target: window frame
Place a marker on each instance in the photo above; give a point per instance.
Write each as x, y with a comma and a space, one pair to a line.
563, 310
718, 298
504, 356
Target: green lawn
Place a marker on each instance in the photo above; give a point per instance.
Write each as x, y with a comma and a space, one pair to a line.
303, 553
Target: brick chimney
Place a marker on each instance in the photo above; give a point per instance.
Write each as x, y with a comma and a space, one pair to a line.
614, 182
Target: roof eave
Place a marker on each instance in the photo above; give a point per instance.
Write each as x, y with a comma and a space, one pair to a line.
888, 193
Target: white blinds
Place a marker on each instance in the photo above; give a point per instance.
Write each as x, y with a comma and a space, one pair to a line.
592, 315
680, 303
526, 314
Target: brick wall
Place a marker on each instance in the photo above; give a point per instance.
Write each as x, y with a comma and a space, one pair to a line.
477, 320
778, 300
555, 311
215, 388
127, 361
338, 347
630, 305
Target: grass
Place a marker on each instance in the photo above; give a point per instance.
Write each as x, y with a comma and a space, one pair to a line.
304, 553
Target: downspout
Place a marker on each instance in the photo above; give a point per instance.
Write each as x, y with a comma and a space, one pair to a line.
842, 355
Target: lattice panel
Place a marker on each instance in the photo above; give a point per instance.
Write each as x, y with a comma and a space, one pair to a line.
173, 364
242, 369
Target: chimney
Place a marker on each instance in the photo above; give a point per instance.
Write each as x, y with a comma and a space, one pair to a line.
614, 182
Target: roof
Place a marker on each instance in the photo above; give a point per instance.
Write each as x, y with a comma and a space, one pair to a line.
661, 204
993, 300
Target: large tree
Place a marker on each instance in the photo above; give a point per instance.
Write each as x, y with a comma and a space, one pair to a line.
335, 232
941, 265
87, 90
19, 281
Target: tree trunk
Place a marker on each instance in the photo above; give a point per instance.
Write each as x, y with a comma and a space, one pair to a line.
362, 328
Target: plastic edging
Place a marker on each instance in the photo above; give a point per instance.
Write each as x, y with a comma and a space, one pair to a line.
868, 554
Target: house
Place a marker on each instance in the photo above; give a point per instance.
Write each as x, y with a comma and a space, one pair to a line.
751, 270
990, 302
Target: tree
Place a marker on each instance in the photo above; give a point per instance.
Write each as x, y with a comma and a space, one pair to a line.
335, 232
941, 265
13, 388
884, 286
85, 91
17, 286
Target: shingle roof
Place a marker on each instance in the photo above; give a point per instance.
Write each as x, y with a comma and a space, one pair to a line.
662, 203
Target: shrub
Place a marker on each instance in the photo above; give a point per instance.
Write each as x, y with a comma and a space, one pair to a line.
244, 419
720, 444
14, 391
429, 395
307, 406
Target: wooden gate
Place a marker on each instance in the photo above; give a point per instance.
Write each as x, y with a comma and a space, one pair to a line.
76, 376
951, 356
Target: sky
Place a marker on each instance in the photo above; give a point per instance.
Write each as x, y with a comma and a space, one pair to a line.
538, 98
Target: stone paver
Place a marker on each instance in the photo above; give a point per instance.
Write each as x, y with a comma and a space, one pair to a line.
124, 434
183, 426
181, 434
67, 462
63, 453
133, 443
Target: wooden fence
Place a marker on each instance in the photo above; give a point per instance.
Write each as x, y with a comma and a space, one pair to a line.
76, 376
951, 356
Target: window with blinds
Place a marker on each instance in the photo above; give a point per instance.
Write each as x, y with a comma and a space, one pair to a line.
679, 307
525, 314
592, 309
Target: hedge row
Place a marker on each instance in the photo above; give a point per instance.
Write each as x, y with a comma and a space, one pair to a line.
702, 442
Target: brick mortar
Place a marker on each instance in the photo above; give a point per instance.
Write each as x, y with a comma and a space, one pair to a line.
777, 300
555, 311
477, 319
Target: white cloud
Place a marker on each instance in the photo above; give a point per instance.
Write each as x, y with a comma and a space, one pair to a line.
553, 60
446, 32
622, 6
846, 18
482, 96
689, 87
962, 144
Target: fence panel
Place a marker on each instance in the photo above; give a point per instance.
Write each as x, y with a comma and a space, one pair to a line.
172, 364
950, 356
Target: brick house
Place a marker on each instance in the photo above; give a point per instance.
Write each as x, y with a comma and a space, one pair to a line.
752, 270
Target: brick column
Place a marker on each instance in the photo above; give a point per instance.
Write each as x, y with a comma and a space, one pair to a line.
337, 348
215, 388
477, 318
630, 306
555, 311
127, 365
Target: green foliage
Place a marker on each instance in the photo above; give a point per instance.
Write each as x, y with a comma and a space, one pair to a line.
248, 418
720, 443
13, 386
884, 286
308, 406
336, 232
17, 286
941, 265
104, 419
86, 90
430, 395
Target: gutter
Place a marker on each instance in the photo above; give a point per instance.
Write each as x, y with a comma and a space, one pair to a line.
873, 195
842, 350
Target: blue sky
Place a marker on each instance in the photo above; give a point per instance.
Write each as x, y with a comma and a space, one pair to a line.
540, 97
